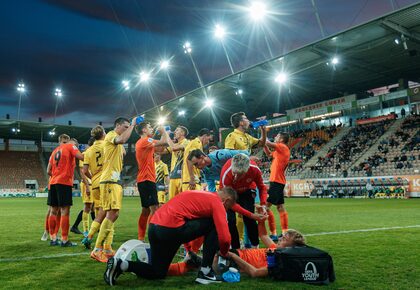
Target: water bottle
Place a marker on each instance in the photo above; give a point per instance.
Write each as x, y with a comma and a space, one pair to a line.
167, 128
271, 259
232, 276
82, 147
139, 119
259, 123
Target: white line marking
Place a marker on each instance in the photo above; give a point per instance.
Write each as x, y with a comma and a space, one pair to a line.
43, 257
359, 231
21, 259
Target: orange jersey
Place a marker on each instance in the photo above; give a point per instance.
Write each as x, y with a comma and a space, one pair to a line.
62, 162
144, 154
281, 156
255, 257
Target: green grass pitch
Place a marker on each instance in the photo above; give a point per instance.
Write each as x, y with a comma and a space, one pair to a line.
383, 259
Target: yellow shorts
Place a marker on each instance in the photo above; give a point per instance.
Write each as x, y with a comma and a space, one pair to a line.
186, 186
85, 197
161, 196
111, 196
174, 187
96, 194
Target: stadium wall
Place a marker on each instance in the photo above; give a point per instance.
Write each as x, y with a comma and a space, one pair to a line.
303, 187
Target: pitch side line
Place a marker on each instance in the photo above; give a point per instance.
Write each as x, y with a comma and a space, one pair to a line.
43, 257
360, 231
306, 235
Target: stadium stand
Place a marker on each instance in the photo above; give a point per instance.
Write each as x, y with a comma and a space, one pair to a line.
18, 166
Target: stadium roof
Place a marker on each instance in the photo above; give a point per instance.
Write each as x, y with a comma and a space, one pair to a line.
368, 58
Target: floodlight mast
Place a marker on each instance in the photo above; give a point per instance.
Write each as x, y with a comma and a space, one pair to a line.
257, 11
58, 94
21, 89
220, 33
126, 86
188, 51
165, 65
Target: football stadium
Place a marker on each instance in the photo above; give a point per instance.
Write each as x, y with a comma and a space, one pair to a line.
189, 144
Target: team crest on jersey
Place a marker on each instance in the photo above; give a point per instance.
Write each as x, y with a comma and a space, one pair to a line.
150, 140
74, 147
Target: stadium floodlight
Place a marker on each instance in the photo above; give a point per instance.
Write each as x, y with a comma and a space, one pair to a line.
161, 121
219, 32
51, 133
21, 89
58, 93
126, 85
181, 113
281, 78
397, 41
144, 77
239, 92
187, 47
209, 103
164, 64
257, 11
335, 60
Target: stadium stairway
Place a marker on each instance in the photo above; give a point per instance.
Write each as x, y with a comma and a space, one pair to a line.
324, 150
390, 132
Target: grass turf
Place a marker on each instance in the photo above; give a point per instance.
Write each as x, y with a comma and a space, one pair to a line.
386, 259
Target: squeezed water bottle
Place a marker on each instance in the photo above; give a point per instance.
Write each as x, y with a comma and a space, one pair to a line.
139, 119
259, 123
271, 259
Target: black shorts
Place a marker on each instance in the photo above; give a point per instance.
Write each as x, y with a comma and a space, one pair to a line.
276, 193
60, 195
148, 193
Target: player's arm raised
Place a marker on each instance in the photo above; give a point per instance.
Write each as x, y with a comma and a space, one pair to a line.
123, 138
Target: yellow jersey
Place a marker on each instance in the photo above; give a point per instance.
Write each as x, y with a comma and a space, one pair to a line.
161, 172
194, 144
177, 159
113, 159
94, 158
238, 140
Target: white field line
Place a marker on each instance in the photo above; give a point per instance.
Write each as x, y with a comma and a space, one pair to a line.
21, 259
360, 231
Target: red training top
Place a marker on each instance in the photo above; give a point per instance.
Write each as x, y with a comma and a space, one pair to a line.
281, 156
246, 181
195, 204
62, 162
144, 154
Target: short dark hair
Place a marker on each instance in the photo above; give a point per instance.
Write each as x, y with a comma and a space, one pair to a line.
197, 153
236, 118
285, 136
120, 120
231, 192
184, 129
203, 132
91, 141
141, 126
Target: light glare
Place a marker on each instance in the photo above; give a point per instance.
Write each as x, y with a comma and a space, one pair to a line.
281, 78
219, 31
187, 47
144, 77
209, 103
335, 60
161, 121
164, 64
181, 113
257, 11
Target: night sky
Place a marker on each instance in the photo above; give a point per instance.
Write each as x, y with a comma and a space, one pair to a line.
87, 48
